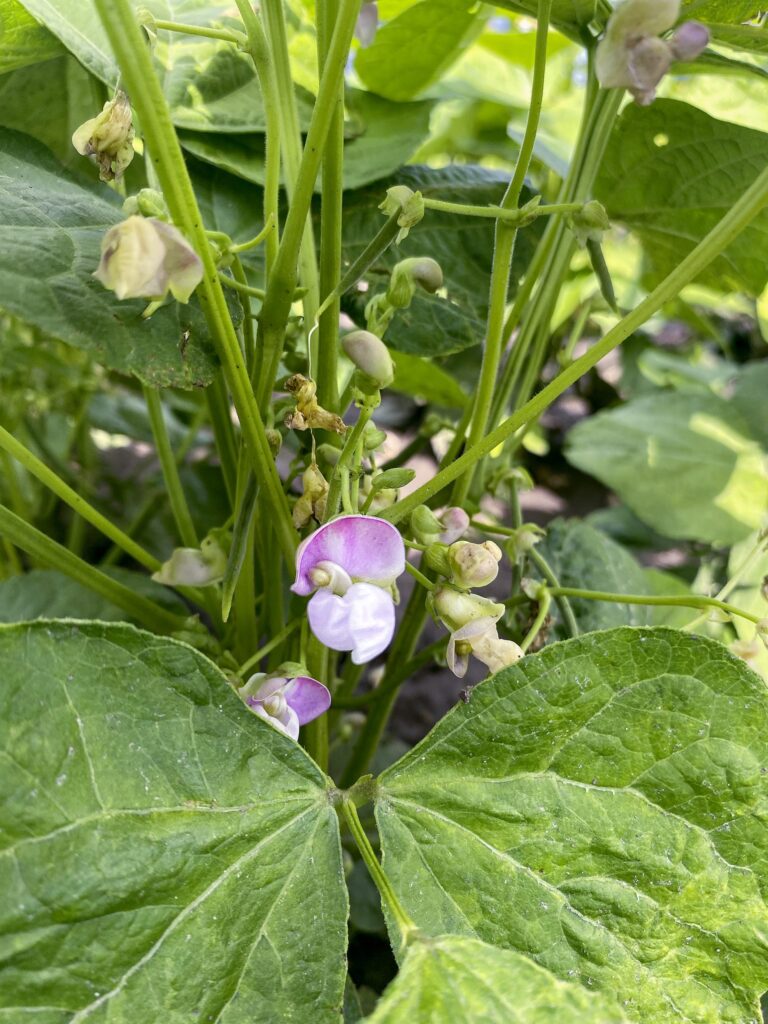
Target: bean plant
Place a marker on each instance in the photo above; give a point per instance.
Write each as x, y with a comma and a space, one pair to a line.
303, 308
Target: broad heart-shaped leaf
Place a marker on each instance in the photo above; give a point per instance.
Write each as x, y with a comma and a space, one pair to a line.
22, 40
463, 246
379, 136
51, 227
165, 855
465, 981
411, 51
599, 807
670, 173
686, 464
210, 85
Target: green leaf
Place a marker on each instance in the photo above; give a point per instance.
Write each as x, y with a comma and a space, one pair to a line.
210, 84
748, 398
380, 136
22, 40
51, 227
47, 594
688, 466
596, 808
411, 51
572, 17
671, 173
465, 981
733, 11
49, 101
423, 379
434, 325
167, 856
741, 37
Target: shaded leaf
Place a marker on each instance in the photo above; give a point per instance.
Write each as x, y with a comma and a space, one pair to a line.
464, 981
423, 379
23, 41
197, 860
741, 37
688, 466
51, 227
750, 389
595, 808
411, 51
670, 174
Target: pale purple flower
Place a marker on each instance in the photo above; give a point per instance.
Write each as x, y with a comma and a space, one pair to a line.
351, 564
367, 24
455, 523
288, 703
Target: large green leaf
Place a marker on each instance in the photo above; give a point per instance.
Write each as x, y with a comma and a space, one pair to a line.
741, 37
750, 389
166, 856
463, 246
671, 173
465, 981
572, 17
379, 136
51, 227
733, 11
22, 40
210, 85
598, 808
411, 51
686, 464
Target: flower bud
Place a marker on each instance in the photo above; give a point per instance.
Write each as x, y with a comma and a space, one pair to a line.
379, 312
373, 438
455, 523
146, 258
590, 223
631, 56
409, 274
196, 567
425, 526
274, 440
689, 40
108, 137
148, 203
456, 608
474, 565
408, 203
747, 650
370, 355
525, 538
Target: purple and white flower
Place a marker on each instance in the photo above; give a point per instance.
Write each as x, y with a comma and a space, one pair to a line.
286, 704
481, 639
350, 566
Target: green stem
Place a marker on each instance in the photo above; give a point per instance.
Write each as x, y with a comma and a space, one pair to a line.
378, 245
682, 601
274, 312
79, 505
419, 576
405, 925
179, 507
719, 238
274, 643
545, 600
518, 218
345, 460
330, 224
47, 551
316, 731
224, 34
344, 698
249, 331
504, 247
562, 602
217, 400
269, 229
401, 653
241, 286
125, 36
258, 48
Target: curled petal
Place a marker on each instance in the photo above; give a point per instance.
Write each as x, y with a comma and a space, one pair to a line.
368, 549
287, 722
647, 62
362, 621
689, 40
308, 698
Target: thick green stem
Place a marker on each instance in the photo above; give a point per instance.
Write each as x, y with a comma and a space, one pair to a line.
345, 461
274, 312
718, 239
511, 216
178, 502
79, 505
316, 732
545, 600
330, 224
405, 925
676, 601
125, 36
48, 552
504, 248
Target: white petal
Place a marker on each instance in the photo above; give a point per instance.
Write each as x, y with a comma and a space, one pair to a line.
329, 620
371, 620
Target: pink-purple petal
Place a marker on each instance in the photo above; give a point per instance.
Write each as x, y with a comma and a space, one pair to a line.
308, 698
369, 549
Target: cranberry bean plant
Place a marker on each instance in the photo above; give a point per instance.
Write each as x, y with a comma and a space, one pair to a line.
298, 302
